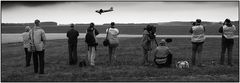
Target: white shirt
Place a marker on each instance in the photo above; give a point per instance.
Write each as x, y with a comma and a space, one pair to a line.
113, 32
26, 40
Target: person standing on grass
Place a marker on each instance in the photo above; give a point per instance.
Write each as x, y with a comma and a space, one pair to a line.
38, 44
91, 41
146, 43
26, 45
227, 31
113, 33
197, 40
72, 35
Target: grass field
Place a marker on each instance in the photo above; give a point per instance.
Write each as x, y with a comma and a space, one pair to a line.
127, 68
124, 29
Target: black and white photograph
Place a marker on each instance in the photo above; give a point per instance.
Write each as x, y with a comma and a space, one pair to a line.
120, 41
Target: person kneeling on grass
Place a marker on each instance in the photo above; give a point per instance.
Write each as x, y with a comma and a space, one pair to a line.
162, 55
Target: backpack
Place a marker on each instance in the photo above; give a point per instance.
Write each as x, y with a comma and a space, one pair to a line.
90, 38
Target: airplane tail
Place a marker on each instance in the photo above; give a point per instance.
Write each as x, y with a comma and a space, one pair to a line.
111, 8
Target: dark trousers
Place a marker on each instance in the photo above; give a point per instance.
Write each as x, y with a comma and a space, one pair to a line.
227, 44
28, 56
72, 48
38, 57
197, 49
168, 62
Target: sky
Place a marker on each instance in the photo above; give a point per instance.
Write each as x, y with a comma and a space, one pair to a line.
124, 12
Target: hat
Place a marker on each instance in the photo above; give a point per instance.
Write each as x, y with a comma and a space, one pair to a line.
27, 28
162, 41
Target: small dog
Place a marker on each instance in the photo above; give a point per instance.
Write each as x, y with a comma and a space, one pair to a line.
182, 64
82, 63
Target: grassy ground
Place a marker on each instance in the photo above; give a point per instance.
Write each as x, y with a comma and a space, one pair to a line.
127, 68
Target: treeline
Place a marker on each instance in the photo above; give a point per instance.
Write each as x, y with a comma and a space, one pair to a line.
30, 24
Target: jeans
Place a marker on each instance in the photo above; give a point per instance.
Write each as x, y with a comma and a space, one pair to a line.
197, 48
28, 56
38, 57
227, 44
91, 54
72, 48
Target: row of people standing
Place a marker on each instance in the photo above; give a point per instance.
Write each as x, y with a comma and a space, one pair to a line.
92, 43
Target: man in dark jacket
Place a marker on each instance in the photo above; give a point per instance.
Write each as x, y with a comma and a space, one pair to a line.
72, 45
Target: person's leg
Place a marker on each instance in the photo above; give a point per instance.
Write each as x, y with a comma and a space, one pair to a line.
75, 58
145, 56
89, 55
194, 49
114, 55
230, 48
222, 57
70, 54
93, 55
27, 57
110, 54
41, 60
35, 61
199, 51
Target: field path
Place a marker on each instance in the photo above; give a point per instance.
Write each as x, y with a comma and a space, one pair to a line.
10, 38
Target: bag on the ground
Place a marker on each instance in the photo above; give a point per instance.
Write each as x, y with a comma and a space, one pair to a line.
82, 63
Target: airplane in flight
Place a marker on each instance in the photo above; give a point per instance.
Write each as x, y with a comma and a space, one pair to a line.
103, 11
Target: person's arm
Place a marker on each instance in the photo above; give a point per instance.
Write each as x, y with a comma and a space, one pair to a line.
220, 30
43, 38
204, 28
96, 32
155, 52
118, 32
68, 34
77, 33
191, 31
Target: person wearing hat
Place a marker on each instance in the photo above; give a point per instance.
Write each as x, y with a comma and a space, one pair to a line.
91, 41
26, 45
227, 31
72, 35
38, 44
162, 55
113, 33
197, 39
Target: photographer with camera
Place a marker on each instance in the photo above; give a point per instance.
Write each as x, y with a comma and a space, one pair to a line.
146, 42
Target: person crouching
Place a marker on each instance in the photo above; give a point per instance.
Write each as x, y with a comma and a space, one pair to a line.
162, 55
